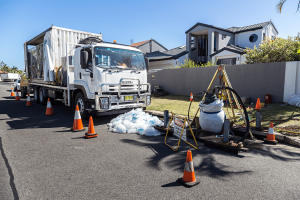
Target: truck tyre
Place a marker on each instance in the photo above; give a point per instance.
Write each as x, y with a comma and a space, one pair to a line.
41, 97
80, 101
36, 94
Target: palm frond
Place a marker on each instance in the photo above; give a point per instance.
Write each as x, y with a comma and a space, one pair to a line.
280, 4
298, 6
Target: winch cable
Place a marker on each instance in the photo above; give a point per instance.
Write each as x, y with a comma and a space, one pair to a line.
244, 109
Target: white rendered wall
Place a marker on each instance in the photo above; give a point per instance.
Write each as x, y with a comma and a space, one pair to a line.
290, 80
297, 89
243, 39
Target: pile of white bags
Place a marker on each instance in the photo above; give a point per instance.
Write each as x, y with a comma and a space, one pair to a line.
136, 121
294, 100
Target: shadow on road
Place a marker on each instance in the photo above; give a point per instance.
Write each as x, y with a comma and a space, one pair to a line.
22, 117
209, 165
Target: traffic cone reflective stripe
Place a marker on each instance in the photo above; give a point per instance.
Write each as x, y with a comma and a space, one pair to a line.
49, 110
91, 131
271, 136
188, 178
257, 107
191, 97
17, 96
77, 125
28, 100
12, 94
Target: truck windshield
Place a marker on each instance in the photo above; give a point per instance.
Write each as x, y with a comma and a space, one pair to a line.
106, 57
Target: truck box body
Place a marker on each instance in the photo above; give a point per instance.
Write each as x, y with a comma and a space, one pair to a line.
9, 76
50, 48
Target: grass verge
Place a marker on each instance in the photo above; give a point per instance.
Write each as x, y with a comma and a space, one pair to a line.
277, 113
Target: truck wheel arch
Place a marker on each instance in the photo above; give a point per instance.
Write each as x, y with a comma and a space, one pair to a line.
80, 88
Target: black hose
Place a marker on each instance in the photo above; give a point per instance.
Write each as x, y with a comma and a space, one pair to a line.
245, 111
189, 110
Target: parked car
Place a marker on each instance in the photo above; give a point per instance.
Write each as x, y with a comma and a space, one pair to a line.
17, 85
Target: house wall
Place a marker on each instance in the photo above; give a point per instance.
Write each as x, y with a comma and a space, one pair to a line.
269, 30
145, 48
157, 47
252, 80
210, 33
165, 64
243, 39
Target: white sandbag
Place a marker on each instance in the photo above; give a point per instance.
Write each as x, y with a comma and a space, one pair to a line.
294, 100
215, 106
136, 121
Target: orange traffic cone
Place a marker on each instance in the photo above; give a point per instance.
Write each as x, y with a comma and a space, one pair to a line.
91, 131
12, 94
188, 178
77, 125
257, 107
28, 100
191, 97
49, 110
270, 137
17, 96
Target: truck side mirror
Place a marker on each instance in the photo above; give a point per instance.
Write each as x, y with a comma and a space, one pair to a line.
84, 59
147, 64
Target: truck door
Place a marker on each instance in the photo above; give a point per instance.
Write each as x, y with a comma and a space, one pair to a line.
87, 75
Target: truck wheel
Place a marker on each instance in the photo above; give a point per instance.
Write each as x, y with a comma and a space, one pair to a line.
36, 94
80, 101
41, 97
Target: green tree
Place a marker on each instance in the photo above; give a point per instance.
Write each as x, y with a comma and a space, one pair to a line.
280, 4
277, 50
188, 63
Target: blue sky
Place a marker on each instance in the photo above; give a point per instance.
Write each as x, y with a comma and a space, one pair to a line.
123, 20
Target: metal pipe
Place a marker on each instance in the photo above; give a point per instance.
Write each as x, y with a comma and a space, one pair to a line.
166, 118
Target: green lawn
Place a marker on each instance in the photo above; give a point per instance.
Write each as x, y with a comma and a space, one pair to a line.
180, 104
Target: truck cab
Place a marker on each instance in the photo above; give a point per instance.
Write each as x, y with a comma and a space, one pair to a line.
110, 78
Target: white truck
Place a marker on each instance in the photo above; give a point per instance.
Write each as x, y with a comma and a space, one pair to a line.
7, 77
79, 68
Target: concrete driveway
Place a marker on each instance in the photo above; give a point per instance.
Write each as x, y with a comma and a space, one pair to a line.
42, 159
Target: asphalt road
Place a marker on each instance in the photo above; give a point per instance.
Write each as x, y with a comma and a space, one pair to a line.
42, 159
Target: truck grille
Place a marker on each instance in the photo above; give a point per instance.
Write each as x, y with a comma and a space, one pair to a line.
125, 89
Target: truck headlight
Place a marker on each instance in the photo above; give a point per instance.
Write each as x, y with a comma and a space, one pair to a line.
148, 100
104, 103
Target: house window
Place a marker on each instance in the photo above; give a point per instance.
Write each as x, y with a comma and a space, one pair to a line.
253, 38
202, 46
264, 36
215, 43
192, 42
223, 36
273, 37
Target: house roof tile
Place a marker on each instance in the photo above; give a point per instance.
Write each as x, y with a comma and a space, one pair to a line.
236, 29
167, 55
139, 43
232, 48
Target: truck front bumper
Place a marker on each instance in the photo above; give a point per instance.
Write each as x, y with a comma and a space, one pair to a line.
123, 99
